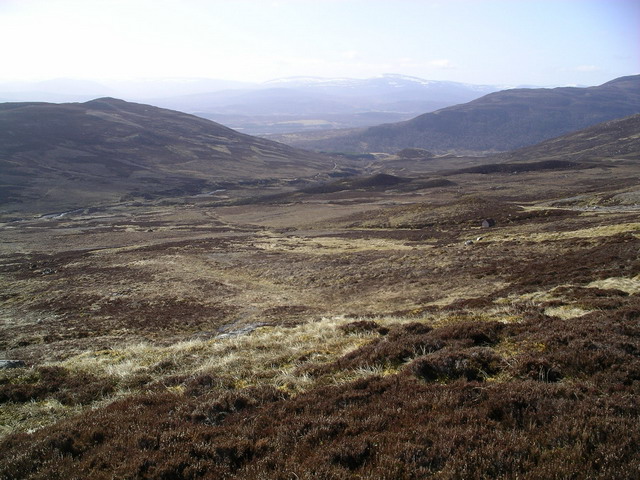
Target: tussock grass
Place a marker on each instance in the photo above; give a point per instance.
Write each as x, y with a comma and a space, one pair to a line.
33, 415
279, 357
566, 311
268, 356
272, 356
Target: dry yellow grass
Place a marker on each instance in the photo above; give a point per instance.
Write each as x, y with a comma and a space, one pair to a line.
275, 356
33, 415
593, 232
629, 285
331, 245
269, 355
566, 311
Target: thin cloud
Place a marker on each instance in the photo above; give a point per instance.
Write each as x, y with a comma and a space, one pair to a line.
443, 63
350, 54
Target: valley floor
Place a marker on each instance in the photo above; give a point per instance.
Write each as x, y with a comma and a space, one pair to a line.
362, 334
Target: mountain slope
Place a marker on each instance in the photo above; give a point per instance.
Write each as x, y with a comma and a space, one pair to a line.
499, 121
616, 139
56, 155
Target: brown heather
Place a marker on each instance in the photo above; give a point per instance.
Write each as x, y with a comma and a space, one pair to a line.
569, 410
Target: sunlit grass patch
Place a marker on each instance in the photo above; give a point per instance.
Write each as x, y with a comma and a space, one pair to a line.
509, 348
566, 311
585, 233
479, 288
269, 356
628, 285
351, 375
539, 296
273, 355
330, 245
33, 415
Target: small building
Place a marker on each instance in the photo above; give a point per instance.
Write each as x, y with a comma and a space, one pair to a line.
488, 223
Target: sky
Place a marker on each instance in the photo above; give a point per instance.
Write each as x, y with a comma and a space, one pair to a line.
496, 42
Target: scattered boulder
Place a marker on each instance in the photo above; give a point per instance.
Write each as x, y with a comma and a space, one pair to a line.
5, 364
231, 331
488, 223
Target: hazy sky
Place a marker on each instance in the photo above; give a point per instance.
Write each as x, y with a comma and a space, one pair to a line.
541, 42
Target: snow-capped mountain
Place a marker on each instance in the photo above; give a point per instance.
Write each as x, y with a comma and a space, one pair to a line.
389, 80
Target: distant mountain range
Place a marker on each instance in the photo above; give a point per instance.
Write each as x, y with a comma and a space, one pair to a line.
59, 90
277, 106
308, 103
61, 156
499, 121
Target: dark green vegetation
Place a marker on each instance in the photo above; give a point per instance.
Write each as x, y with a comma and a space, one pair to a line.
364, 327
499, 121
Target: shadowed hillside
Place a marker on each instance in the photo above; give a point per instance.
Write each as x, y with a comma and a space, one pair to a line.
68, 155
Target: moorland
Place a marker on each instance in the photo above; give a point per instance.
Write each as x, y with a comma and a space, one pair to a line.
349, 319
